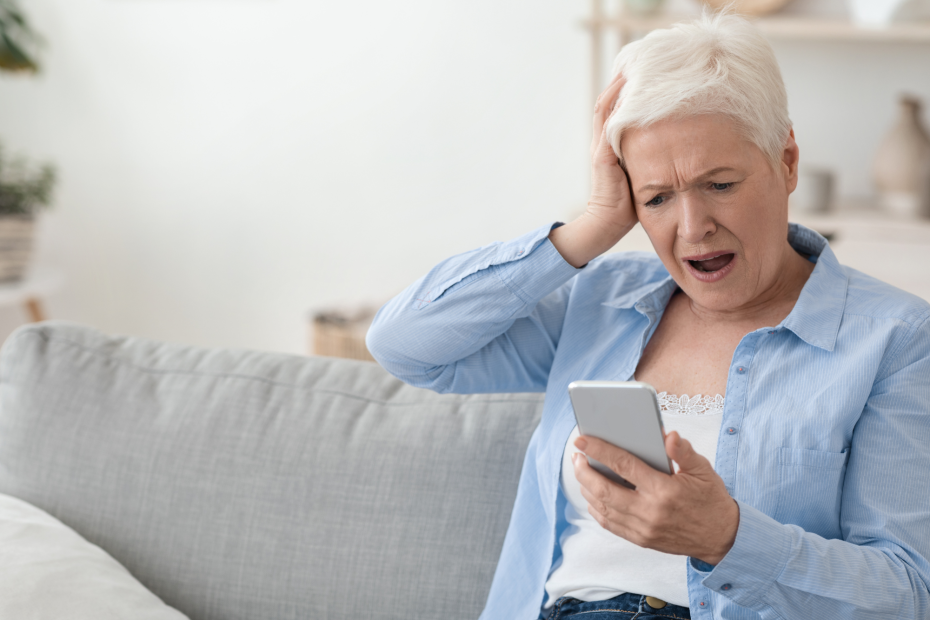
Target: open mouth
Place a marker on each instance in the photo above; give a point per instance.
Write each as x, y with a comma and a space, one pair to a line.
712, 264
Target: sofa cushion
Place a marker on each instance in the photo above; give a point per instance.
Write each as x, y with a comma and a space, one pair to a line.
239, 484
49, 572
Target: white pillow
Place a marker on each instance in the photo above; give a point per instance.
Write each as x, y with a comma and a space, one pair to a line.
48, 572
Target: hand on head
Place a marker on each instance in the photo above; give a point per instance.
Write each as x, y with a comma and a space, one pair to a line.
610, 195
609, 214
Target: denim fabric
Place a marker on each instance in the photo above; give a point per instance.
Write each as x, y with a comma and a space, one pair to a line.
624, 607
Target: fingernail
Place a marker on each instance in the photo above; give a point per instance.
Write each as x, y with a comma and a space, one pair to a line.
575, 459
581, 444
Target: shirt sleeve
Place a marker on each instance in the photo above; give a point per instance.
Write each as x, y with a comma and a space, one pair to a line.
483, 321
880, 568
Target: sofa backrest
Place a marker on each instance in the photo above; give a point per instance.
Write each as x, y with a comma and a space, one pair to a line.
239, 484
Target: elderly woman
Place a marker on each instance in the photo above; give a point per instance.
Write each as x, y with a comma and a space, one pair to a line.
800, 421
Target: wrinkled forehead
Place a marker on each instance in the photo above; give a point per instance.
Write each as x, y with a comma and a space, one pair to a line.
685, 149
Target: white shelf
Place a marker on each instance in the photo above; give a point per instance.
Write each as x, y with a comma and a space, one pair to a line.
34, 285
872, 225
891, 248
799, 28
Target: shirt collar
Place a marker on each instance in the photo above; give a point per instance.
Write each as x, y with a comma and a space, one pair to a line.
648, 298
816, 316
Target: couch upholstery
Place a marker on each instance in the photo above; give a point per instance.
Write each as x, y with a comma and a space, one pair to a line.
239, 484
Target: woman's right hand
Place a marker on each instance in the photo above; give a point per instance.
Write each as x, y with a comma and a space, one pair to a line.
610, 214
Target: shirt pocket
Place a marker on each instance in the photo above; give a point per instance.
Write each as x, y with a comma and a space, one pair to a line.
810, 489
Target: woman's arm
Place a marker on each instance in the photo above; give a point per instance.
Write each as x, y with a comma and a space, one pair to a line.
880, 568
488, 320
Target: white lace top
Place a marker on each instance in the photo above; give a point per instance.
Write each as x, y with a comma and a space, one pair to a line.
696, 405
598, 565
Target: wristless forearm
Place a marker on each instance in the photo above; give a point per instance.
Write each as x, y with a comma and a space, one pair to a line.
586, 238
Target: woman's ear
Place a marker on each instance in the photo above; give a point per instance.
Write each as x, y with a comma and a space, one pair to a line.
789, 162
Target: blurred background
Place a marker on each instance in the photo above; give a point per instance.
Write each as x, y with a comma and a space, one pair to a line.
227, 168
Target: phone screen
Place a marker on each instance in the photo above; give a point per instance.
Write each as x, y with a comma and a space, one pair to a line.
624, 413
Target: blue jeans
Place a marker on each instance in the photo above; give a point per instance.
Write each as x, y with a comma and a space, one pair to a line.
624, 607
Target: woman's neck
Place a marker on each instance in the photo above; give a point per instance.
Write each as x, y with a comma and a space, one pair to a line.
773, 303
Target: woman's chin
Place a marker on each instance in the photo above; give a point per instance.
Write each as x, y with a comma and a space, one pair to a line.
719, 291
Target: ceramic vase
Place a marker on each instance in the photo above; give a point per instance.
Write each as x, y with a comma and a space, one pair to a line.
16, 235
747, 7
814, 191
873, 13
643, 7
913, 11
902, 164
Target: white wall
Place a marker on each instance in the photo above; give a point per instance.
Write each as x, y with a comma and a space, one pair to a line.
227, 165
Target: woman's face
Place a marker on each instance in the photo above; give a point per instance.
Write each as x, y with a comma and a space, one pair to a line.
713, 207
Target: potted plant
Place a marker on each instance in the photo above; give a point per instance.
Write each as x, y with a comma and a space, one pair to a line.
24, 190
18, 41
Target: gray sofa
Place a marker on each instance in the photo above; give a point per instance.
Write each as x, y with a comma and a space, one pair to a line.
238, 484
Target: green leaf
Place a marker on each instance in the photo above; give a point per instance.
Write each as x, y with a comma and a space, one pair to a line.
16, 39
16, 17
12, 56
24, 189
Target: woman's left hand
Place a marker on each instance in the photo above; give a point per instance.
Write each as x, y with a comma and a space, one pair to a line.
686, 513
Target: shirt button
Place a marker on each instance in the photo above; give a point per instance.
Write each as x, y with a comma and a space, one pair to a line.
725, 586
520, 252
731, 431
741, 370
771, 332
702, 603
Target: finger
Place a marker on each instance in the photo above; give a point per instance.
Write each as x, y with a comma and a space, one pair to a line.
607, 95
612, 517
619, 460
682, 452
598, 517
603, 152
595, 481
602, 494
608, 98
618, 76
604, 107
614, 527
595, 504
616, 85
606, 102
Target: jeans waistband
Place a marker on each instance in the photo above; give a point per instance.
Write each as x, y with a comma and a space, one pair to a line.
626, 606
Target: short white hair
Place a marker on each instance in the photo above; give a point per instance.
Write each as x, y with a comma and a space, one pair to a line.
717, 64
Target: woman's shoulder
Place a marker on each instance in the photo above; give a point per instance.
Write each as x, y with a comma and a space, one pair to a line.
646, 265
624, 269
869, 296
619, 277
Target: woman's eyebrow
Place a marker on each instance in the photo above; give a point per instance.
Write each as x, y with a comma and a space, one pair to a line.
705, 175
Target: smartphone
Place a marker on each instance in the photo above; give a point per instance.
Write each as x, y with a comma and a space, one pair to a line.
624, 413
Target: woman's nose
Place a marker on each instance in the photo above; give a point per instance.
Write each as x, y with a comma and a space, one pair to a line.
695, 219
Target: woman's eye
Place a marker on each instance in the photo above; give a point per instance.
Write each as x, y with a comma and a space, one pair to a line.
721, 187
655, 202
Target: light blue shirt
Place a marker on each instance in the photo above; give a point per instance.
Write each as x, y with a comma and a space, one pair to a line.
825, 441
